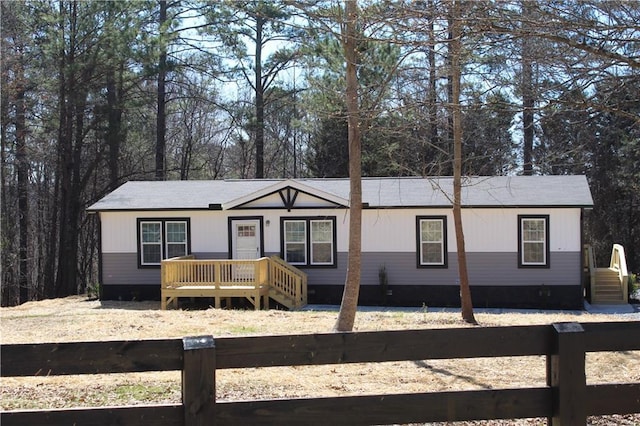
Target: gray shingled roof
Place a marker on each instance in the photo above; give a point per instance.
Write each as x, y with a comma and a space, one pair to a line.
500, 191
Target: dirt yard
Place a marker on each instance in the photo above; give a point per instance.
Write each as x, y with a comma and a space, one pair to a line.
78, 319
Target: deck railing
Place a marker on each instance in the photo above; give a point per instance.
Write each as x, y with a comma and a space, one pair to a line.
188, 271
566, 399
619, 264
226, 274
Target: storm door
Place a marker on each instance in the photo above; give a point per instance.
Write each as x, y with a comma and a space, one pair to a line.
246, 244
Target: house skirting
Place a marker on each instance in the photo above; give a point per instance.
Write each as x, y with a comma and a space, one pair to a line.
523, 297
136, 292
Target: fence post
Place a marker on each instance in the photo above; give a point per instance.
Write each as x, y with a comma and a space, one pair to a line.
566, 375
199, 380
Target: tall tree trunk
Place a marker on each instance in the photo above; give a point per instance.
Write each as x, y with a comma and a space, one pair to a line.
527, 93
114, 130
7, 284
348, 307
455, 52
45, 232
447, 170
67, 253
23, 185
185, 159
161, 118
50, 263
259, 100
296, 130
431, 57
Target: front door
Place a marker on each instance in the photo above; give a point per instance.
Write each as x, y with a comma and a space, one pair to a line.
246, 239
245, 245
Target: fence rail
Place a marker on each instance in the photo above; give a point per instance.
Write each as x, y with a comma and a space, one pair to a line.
566, 400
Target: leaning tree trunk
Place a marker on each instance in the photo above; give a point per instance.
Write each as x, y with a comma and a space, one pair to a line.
455, 51
348, 307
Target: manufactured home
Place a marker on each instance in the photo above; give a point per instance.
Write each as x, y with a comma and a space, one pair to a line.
523, 238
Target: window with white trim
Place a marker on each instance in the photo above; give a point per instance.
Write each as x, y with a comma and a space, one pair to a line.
176, 239
309, 241
150, 243
162, 239
432, 241
533, 241
295, 242
321, 242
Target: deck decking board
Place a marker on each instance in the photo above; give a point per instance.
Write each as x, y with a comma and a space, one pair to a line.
256, 280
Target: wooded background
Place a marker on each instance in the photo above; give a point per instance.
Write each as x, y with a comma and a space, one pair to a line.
96, 93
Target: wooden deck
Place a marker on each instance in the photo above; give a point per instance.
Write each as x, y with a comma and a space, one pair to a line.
257, 280
608, 285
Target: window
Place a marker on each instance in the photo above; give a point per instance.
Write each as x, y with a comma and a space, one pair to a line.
176, 239
246, 230
321, 242
533, 241
151, 242
432, 241
162, 239
295, 242
309, 241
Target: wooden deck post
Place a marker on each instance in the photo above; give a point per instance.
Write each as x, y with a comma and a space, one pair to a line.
199, 380
566, 375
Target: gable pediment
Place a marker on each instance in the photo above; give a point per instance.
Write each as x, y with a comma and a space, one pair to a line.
288, 195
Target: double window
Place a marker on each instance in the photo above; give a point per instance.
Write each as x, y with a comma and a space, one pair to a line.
309, 241
432, 241
533, 241
162, 239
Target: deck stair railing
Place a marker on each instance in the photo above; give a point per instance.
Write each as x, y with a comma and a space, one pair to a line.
590, 261
187, 276
619, 264
287, 280
608, 285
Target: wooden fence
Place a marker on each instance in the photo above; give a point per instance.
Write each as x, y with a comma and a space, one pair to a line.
566, 400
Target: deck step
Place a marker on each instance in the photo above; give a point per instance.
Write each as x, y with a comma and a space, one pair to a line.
282, 298
608, 289
608, 302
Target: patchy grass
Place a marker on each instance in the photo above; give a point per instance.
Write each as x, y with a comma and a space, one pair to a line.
244, 329
141, 392
78, 319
